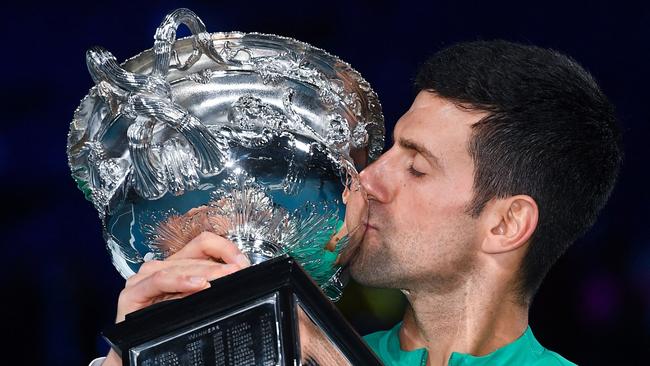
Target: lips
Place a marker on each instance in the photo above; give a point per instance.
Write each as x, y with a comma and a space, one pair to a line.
369, 226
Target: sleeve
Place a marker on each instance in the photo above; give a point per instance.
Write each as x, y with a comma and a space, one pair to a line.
97, 361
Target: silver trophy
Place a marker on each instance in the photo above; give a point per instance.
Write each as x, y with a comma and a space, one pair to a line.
255, 137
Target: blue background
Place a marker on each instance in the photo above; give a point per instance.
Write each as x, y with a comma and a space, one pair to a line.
59, 287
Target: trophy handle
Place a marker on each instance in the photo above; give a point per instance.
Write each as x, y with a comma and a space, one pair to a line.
166, 36
139, 95
106, 72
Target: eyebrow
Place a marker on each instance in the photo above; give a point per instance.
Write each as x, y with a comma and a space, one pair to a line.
412, 145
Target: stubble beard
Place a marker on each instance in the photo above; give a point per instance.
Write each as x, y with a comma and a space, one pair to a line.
375, 262
410, 259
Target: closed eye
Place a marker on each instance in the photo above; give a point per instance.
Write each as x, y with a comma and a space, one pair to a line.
414, 172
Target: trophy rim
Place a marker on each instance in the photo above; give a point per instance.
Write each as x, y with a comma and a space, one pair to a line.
375, 126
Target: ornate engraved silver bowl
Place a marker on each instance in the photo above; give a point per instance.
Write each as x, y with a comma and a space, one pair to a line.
256, 137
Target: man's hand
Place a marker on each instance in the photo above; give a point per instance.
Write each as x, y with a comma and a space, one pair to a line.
205, 258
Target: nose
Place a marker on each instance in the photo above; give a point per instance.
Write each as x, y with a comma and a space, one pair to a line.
375, 179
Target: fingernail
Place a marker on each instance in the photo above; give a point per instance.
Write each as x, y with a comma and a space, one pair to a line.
242, 260
197, 280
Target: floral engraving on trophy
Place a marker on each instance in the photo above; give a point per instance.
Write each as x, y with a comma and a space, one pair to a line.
293, 65
201, 77
108, 172
234, 54
359, 135
338, 133
250, 113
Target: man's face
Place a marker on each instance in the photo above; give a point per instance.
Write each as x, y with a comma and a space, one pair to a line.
418, 229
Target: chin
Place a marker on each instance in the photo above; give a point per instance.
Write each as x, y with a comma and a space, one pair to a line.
365, 269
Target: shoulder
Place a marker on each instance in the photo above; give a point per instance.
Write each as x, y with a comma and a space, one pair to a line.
540, 355
550, 358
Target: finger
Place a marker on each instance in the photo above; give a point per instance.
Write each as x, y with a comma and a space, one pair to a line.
157, 285
183, 279
175, 281
208, 269
208, 245
150, 267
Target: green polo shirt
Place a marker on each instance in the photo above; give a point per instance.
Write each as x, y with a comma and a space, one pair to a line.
523, 351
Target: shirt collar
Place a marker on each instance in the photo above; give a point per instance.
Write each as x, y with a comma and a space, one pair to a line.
521, 351
396, 355
516, 352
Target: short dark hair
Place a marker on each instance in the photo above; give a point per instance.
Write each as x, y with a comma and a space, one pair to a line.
551, 134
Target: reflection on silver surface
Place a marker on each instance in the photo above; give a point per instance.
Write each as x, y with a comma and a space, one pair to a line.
316, 347
255, 137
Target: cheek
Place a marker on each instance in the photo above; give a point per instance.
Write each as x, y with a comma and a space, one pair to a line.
420, 211
446, 198
454, 191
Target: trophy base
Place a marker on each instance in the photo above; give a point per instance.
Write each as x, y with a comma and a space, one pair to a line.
268, 314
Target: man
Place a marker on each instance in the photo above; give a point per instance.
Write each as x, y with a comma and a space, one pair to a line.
505, 158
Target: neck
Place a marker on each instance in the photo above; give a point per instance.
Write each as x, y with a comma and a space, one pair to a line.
475, 319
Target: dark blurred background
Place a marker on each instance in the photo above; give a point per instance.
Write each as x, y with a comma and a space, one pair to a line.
59, 286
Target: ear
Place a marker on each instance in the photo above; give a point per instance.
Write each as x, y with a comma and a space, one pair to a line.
509, 223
